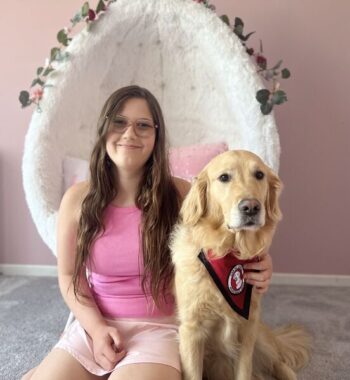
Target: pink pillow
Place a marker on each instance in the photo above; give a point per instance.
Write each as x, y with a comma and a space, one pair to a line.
74, 170
187, 161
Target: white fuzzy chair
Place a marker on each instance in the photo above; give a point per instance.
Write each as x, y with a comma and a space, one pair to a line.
183, 53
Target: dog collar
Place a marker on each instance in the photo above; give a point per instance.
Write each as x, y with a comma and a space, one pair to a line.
227, 273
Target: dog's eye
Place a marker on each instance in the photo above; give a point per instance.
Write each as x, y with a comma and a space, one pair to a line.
259, 174
224, 177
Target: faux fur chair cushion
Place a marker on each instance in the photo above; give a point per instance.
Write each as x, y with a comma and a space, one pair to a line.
180, 51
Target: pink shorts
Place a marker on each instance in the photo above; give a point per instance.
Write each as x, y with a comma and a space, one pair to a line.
152, 340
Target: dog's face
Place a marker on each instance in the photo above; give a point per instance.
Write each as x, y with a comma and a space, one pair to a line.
237, 190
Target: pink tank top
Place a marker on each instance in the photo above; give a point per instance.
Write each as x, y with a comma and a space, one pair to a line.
116, 268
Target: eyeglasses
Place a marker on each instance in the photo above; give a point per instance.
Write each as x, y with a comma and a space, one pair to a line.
142, 128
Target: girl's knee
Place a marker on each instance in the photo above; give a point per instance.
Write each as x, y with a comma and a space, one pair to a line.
149, 371
28, 375
60, 365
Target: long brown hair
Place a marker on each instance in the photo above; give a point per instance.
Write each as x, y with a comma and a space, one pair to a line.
157, 198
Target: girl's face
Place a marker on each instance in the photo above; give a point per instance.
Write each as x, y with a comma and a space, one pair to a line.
131, 136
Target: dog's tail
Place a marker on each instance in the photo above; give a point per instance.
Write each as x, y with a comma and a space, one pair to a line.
282, 351
294, 345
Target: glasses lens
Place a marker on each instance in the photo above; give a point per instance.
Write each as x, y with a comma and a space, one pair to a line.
120, 124
143, 128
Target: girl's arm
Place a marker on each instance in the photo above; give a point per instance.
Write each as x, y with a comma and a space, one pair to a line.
68, 218
84, 309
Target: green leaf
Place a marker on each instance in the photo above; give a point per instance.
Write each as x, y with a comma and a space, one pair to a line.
37, 81
48, 71
54, 52
24, 98
238, 31
277, 66
61, 56
225, 19
77, 18
285, 73
279, 97
262, 96
266, 108
238, 27
62, 37
239, 22
85, 9
100, 7
245, 38
39, 70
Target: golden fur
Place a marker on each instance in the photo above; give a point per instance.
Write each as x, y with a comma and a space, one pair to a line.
215, 342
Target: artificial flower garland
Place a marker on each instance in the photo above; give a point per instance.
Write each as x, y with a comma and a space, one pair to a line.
266, 98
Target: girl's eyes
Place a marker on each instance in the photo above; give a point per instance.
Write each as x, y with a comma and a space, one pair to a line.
143, 125
120, 122
124, 123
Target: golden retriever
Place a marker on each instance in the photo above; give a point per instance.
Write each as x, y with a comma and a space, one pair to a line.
231, 209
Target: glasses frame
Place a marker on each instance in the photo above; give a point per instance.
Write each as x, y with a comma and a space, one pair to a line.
129, 123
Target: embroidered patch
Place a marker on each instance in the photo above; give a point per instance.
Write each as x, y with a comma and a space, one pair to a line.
235, 279
228, 275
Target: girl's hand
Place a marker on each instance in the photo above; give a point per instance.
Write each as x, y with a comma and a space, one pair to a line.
260, 273
107, 347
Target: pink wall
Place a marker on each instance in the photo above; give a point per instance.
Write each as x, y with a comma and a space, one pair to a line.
27, 32
314, 126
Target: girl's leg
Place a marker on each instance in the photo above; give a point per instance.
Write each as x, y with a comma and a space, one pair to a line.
29, 374
145, 371
60, 365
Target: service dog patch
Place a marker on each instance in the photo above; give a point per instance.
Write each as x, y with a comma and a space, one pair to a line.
227, 272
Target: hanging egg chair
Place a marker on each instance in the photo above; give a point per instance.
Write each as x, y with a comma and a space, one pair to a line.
179, 50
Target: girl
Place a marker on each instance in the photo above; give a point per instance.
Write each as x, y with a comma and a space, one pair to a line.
114, 265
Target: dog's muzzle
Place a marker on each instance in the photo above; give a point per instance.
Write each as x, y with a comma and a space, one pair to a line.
249, 214
249, 210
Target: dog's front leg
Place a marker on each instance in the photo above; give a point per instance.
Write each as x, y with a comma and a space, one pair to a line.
191, 352
248, 334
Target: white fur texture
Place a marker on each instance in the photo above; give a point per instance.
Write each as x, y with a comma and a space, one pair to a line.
180, 51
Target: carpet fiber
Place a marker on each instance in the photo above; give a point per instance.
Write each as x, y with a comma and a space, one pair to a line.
32, 316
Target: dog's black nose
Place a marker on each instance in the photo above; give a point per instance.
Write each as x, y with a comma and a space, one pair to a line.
249, 207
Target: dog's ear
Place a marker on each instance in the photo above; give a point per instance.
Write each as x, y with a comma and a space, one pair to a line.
195, 203
272, 203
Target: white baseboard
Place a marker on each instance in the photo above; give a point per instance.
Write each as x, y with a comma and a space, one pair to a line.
277, 278
28, 270
310, 279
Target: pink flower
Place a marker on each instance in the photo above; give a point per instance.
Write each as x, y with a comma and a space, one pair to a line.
261, 61
67, 29
91, 15
37, 94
